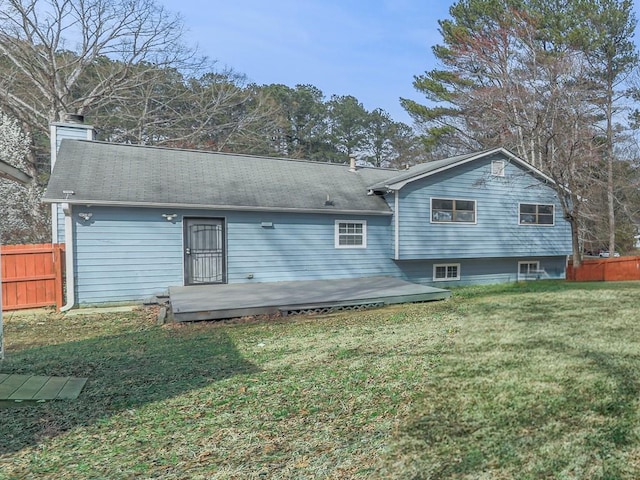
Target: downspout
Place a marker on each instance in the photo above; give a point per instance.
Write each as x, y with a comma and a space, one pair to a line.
70, 274
396, 220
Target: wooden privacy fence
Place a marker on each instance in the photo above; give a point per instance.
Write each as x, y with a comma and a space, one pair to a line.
32, 275
605, 270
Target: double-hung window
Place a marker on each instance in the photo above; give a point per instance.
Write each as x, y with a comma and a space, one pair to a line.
351, 234
448, 210
536, 214
446, 272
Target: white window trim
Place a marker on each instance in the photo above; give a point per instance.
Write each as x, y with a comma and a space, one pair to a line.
527, 262
498, 172
447, 279
553, 224
337, 233
475, 210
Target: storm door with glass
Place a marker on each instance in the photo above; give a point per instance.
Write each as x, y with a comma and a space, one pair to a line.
204, 256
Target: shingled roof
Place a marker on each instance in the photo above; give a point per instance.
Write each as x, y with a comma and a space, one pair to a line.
100, 173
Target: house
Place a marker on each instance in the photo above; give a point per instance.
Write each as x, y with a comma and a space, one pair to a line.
139, 219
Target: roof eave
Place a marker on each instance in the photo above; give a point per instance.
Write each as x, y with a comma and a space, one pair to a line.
242, 208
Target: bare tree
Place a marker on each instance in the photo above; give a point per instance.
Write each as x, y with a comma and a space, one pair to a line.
214, 111
67, 56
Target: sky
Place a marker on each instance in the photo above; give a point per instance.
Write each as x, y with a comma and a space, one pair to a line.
368, 49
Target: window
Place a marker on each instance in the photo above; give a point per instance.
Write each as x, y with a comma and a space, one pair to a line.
528, 270
453, 211
445, 272
351, 234
497, 168
536, 214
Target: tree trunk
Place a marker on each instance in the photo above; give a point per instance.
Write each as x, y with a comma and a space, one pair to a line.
575, 242
611, 207
609, 152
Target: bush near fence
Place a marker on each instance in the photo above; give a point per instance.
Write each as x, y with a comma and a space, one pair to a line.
605, 270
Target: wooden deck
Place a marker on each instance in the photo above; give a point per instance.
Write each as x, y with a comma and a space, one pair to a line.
213, 302
39, 388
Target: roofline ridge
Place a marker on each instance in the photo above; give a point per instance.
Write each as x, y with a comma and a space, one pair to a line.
228, 154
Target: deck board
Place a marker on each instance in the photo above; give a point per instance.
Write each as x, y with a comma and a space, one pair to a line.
212, 302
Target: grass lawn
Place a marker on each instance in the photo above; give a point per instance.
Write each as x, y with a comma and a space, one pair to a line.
525, 381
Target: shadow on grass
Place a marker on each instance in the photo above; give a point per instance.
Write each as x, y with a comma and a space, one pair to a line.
124, 371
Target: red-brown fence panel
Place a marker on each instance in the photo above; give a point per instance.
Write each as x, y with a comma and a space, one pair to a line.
605, 270
32, 275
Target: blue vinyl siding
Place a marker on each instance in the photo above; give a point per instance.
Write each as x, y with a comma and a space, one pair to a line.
127, 254
302, 247
480, 270
72, 132
497, 232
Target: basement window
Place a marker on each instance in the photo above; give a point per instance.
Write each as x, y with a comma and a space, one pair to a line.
446, 272
529, 270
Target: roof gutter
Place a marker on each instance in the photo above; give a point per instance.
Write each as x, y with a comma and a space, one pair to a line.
241, 208
69, 260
